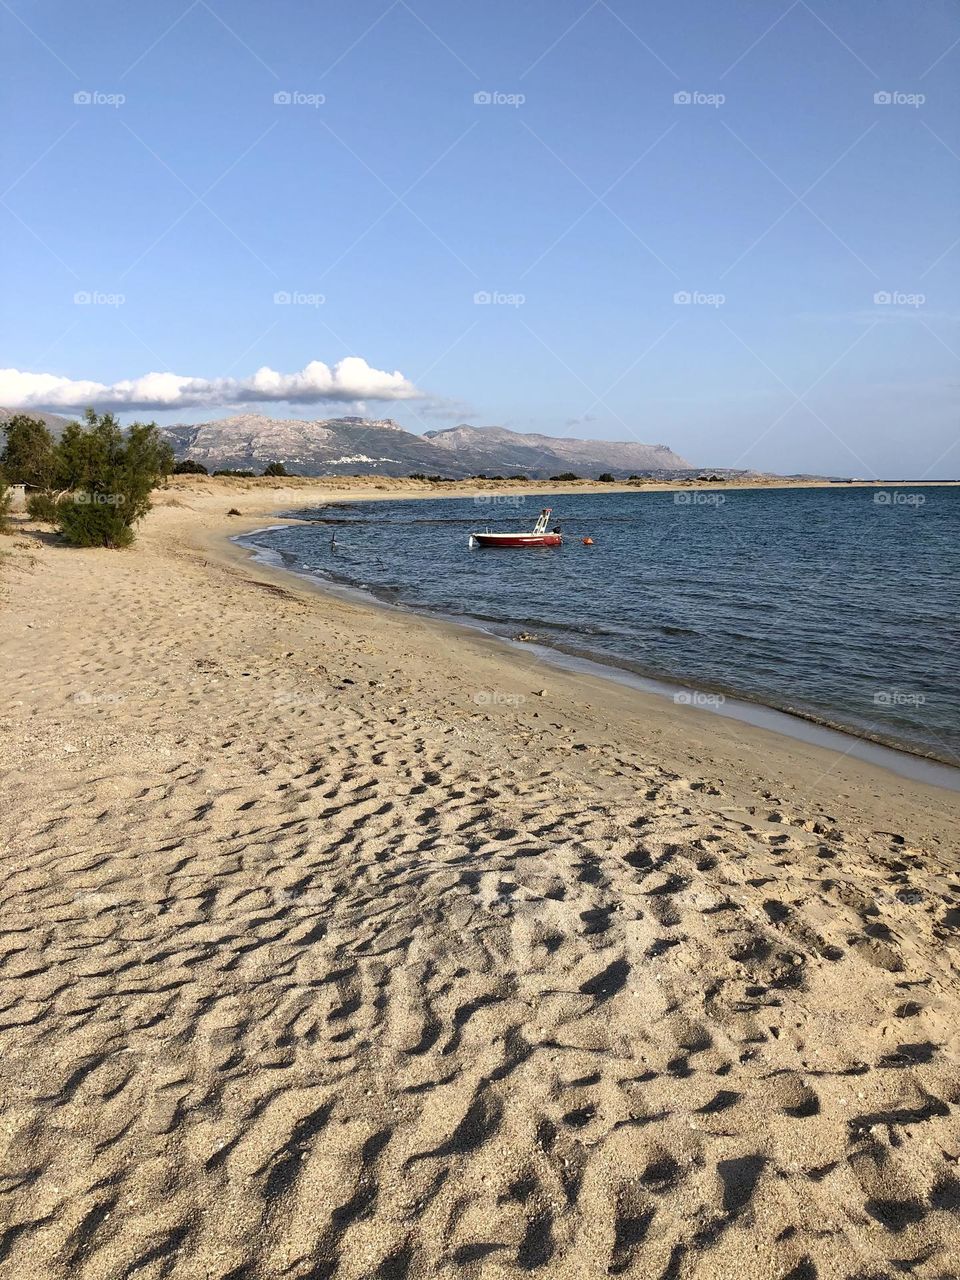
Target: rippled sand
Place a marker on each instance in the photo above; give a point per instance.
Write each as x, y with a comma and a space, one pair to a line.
331, 948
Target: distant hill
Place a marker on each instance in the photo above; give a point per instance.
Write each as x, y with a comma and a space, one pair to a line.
53, 420
497, 449
332, 446
348, 446
380, 446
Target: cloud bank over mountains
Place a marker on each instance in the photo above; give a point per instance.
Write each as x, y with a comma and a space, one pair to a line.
348, 381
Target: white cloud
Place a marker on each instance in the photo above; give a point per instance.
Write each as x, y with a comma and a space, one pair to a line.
350, 379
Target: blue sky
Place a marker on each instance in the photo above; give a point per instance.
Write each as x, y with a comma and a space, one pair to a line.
783, 199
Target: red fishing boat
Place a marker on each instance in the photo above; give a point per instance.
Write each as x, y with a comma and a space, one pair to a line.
540, 536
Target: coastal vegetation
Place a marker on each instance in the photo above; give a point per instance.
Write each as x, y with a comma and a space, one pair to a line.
29, 454
188, 467
94, 483
5, 498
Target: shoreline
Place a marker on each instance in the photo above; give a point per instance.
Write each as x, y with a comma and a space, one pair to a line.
373, 487
221, 545
341, 942
792, 723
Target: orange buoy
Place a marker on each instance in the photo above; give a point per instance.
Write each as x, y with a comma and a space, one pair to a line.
587, 542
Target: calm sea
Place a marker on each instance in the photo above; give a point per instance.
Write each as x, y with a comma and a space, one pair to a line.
842, 605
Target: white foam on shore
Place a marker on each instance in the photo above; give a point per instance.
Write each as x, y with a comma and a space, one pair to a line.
267, 528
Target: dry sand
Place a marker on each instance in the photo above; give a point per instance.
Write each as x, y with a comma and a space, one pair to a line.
333, 949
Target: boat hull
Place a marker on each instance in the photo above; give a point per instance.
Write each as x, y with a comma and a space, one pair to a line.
517, 539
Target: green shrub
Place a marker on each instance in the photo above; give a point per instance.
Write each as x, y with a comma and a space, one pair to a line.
43, 507
29, 454
606, 478
565, 475
84, 522
94, 484
275, 469
110, 474
6, 497
190, 468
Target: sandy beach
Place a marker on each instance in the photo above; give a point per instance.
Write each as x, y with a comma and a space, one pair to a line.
339, 942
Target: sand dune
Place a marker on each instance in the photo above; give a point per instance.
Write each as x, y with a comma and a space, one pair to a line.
316, 965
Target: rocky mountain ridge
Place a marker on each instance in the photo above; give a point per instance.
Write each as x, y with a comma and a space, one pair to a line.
381, 446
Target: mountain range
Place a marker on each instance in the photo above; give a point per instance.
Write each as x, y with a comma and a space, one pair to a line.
380, 446
513, 452
349, 446
53, 421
